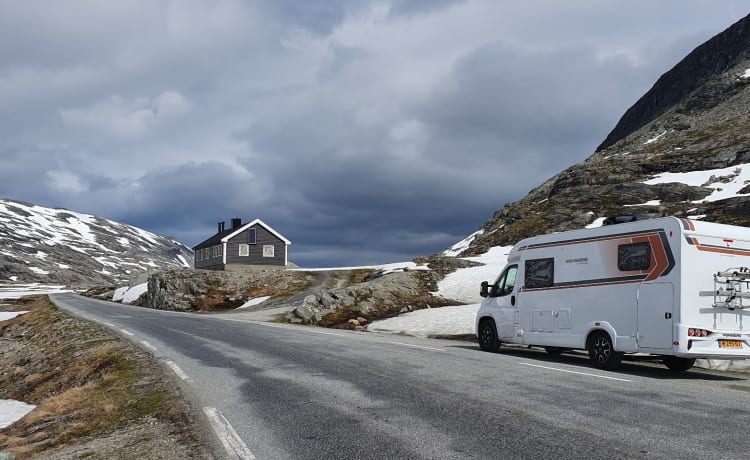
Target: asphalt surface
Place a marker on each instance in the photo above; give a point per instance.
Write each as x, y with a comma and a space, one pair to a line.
309, 393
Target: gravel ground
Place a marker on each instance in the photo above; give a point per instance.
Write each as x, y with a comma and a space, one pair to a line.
97, 396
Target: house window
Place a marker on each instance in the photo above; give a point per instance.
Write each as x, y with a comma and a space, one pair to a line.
539, 273
268, 250
244, 250
636, 256
251, 234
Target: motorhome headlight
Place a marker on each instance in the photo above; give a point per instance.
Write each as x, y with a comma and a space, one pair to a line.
696, 332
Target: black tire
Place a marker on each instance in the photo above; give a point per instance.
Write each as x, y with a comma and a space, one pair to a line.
602, 353
487, 336
676, 364
554, 351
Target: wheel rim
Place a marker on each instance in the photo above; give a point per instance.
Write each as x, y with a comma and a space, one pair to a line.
602, 349
486, 335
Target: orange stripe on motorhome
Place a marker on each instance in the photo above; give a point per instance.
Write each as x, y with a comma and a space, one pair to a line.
591, 240
736, 252
690, 224
611, 283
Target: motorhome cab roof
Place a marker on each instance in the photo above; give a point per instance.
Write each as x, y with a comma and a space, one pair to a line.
672, 287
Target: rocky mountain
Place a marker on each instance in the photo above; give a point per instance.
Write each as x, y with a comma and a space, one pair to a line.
40, 244
682, 149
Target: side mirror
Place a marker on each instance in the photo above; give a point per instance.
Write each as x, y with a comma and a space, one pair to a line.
484, 291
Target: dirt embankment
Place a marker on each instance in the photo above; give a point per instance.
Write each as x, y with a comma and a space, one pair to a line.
97, 396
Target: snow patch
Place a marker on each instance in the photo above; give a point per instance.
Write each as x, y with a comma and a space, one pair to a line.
654, 139
119, 294
386, 268
132, 294
737, 176
15, 291
463, 284
38, 271
255, 301
598, 222
444, 321
648, 203
6, 315
183, 261
12, 411
746, 74
462, 245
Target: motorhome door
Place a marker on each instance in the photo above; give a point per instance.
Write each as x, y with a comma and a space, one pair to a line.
655, 303
504, 299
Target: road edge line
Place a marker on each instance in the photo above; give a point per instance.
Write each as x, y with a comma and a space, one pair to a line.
233, 444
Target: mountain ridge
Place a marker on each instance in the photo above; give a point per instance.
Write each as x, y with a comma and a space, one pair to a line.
58, 245
720, 53
648, 163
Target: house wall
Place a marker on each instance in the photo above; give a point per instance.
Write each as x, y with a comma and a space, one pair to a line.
255, 251
210, 258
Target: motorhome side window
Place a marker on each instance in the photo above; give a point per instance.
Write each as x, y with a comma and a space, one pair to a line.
507, 280
635, 256
539, 273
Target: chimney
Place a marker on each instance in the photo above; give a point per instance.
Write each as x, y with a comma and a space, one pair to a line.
236, 222
221, 226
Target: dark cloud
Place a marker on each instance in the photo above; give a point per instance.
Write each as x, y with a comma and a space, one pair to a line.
366, 132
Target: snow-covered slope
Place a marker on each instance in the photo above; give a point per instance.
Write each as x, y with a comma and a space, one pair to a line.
43, 244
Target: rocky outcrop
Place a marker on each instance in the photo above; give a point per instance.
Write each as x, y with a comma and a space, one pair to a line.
201, 290
380, 297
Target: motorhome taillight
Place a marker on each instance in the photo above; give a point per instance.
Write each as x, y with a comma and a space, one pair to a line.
695, 332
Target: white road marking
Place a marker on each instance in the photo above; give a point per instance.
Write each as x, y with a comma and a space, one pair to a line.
576, 372
176, 369
148, 345
235, 447
126, 332
417, 346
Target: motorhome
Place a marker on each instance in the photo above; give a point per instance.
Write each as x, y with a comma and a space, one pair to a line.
676, 288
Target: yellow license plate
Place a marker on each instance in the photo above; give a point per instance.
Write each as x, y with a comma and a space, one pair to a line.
730, 343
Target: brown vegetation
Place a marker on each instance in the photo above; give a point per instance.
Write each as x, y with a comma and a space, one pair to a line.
87, 385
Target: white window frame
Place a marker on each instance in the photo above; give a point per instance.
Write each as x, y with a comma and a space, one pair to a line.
242, 247
268, 251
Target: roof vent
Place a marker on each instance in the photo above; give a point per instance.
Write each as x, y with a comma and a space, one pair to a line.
624, 218
236, 222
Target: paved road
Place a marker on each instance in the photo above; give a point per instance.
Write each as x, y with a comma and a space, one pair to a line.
301, 392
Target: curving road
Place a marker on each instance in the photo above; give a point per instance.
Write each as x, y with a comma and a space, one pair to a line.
280, 391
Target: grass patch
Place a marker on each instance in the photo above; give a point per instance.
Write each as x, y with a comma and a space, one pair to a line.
357, 276
84, 381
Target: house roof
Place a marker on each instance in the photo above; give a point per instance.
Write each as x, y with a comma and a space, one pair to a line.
226, 235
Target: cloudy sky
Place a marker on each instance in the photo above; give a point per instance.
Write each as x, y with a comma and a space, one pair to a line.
364, 131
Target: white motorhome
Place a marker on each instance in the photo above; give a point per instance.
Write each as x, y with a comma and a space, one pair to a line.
673, 287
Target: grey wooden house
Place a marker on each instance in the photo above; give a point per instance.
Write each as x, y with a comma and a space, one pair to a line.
255, 243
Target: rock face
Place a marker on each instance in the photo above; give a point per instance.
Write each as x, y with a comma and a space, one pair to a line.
190, 290
379, 297
720, 54
695, 118
57, 245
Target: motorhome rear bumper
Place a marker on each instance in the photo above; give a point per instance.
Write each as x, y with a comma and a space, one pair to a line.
718, 345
